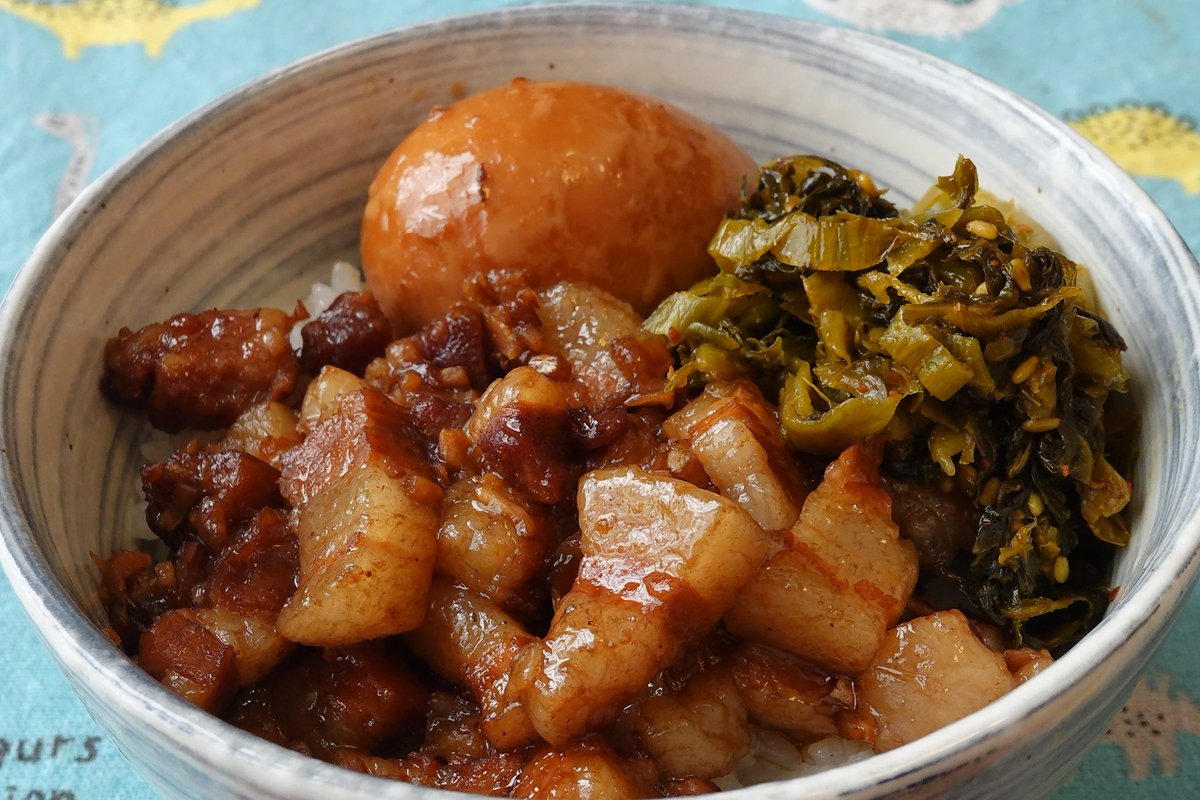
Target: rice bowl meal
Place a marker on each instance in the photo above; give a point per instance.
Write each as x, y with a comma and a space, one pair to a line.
247, 203
634, 468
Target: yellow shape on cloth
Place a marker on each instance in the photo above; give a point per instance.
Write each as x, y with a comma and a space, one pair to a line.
1148, 141
1147, 727
98, 23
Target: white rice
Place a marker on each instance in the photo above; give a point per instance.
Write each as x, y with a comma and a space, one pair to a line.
773, 758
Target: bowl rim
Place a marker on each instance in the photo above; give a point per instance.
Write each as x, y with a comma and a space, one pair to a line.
1122, 638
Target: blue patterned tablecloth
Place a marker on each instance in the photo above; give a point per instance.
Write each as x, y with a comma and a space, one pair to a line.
84, 82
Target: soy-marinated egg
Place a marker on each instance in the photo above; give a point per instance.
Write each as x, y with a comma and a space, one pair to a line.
567, 181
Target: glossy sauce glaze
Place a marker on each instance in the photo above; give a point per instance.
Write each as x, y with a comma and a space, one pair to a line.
501, 552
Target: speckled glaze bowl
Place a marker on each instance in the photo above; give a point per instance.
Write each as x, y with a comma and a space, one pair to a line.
250, 199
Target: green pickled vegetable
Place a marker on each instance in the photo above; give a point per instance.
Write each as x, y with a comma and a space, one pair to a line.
974, 351
842, 242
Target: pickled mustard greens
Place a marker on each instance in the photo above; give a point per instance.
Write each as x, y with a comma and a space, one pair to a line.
974, 351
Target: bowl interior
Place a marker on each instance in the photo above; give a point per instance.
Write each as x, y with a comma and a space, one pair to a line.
251, 200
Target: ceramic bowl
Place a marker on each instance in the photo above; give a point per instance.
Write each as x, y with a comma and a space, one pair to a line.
251, 198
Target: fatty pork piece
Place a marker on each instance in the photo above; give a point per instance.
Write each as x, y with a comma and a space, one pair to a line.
732, 431
181, 653
206, 654
228, 641
449, 352
492, 775
493, 539
248, 586
929, 672
207, 495
323, 395
367, 525
1025, 662
785, 693
521, 431
469, 640
455, 755
350, 334
361, 697
349, 426
265, 431
662, 560
694, 728
202, 370
367, 550
588, 768
842, 578
613, 360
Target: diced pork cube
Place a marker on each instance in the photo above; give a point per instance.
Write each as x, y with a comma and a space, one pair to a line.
492, 540
468, 639
367, 551
1025, 662
929, 672
842, 578
364, 429
322, 396
661, 561
257, 648
588, 769
349, 334
353, 697
522, 431
187, 658
265, 431
786, 693
731, 429
202, 370
579, 324
698, 729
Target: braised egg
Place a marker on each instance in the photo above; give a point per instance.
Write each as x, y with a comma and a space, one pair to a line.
565, 181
